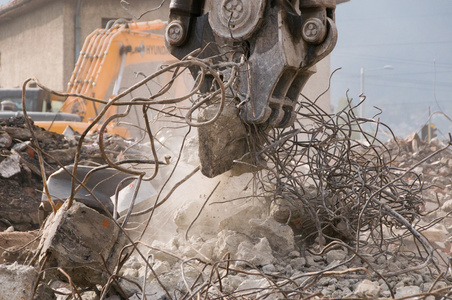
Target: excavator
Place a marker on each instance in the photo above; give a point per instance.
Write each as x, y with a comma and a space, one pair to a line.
103, 58
281, 41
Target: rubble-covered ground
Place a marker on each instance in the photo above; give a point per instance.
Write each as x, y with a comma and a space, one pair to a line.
308, 211
267, 261
20, 172
216, 236
20, 177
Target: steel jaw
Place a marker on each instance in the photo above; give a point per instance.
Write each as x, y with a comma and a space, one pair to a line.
281, 41
283, 52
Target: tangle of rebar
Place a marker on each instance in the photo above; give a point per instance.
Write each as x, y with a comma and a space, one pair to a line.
330, 167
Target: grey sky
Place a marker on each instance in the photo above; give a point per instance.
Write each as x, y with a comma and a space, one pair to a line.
409, 35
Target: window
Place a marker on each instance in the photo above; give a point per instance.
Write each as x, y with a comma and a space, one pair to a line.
105, 21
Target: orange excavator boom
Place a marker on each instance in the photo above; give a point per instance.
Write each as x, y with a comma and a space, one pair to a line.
104, 55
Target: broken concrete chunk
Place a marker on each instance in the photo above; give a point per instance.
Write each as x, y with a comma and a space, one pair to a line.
44, 292
185, 214
5, 140
413, 142
258, 255
280, 236
252, 284
10, 166
298, 263
17, 281
368, 289
228, 242
18, 205
447, 206
64, 156
406, 291
42, 136
90, 295
14, 240
159, 267
335, 255
247, 212
257, 252
19, 133
437, 233
284, 211
221, 142
79, 240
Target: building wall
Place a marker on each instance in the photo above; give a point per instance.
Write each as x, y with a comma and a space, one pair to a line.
318, 84
30, 46
40, 41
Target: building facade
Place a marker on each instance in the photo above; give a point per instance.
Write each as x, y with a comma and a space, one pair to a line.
41, 38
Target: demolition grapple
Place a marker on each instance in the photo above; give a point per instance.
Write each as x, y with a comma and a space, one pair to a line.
281, 39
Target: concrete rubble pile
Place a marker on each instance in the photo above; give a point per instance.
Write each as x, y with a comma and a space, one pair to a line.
191, 240
20, 172
69, 242
254, 241
436, 174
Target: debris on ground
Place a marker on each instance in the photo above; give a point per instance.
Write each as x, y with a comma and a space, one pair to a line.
315, 214
253, 244
20, 175
20, 172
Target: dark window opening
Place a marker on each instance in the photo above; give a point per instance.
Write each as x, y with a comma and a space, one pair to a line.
109, 21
